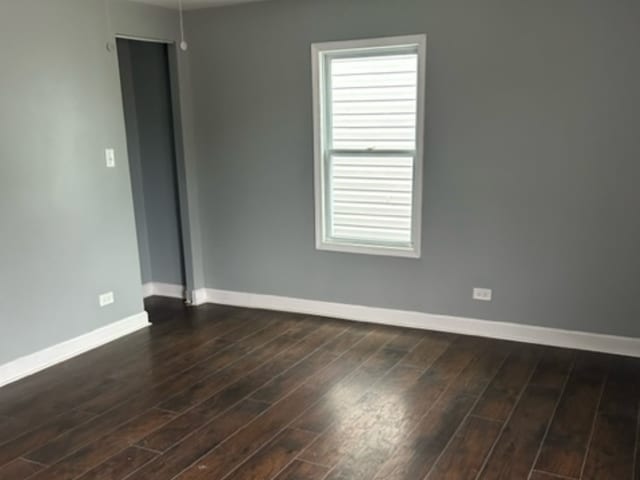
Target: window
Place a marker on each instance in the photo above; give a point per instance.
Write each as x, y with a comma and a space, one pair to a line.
369, 124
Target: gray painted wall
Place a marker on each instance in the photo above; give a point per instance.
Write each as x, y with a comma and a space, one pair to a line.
531, 165
144, 70
67, 230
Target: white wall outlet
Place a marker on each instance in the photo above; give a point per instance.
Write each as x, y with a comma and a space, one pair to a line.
106, 299
483, 294
110, 157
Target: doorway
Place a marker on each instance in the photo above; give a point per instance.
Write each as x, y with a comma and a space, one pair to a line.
145, 78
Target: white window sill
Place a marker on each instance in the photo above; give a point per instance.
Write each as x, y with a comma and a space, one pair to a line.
333, 246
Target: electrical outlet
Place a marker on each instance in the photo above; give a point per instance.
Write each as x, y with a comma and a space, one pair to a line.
110, 157
483, 294
106, 299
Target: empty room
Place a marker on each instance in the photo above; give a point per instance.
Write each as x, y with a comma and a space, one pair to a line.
319, 239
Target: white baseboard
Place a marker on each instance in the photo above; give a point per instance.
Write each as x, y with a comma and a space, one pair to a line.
33, 363
200, 297
426, 321
163, 290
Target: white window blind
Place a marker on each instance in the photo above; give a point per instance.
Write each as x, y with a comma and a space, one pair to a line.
369, 145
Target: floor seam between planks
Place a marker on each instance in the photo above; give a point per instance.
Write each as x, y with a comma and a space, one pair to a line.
553, 414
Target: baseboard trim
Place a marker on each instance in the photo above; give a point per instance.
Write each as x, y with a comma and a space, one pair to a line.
426, 321
200, 297
169, 290
35, 362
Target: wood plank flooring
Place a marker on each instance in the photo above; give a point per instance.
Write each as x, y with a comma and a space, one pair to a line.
223, 393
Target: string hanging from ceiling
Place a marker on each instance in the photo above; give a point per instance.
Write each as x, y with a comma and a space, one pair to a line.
107, 9
183, 43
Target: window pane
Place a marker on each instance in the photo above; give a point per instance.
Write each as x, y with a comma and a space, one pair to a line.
371, 198
392, 120
368, 64
383, 109
373, 102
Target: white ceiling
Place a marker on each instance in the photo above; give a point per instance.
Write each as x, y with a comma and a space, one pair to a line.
192, 4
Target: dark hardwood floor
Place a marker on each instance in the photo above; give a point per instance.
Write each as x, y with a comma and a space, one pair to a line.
227, 393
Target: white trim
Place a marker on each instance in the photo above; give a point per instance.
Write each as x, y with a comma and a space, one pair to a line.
318, 53
163, 290
318, 143
426, 321
33, 363
199, 297
138, 38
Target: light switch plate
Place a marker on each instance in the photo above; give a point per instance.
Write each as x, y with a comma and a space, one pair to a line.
110, 157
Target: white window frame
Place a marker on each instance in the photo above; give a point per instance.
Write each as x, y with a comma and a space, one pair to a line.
319, 52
